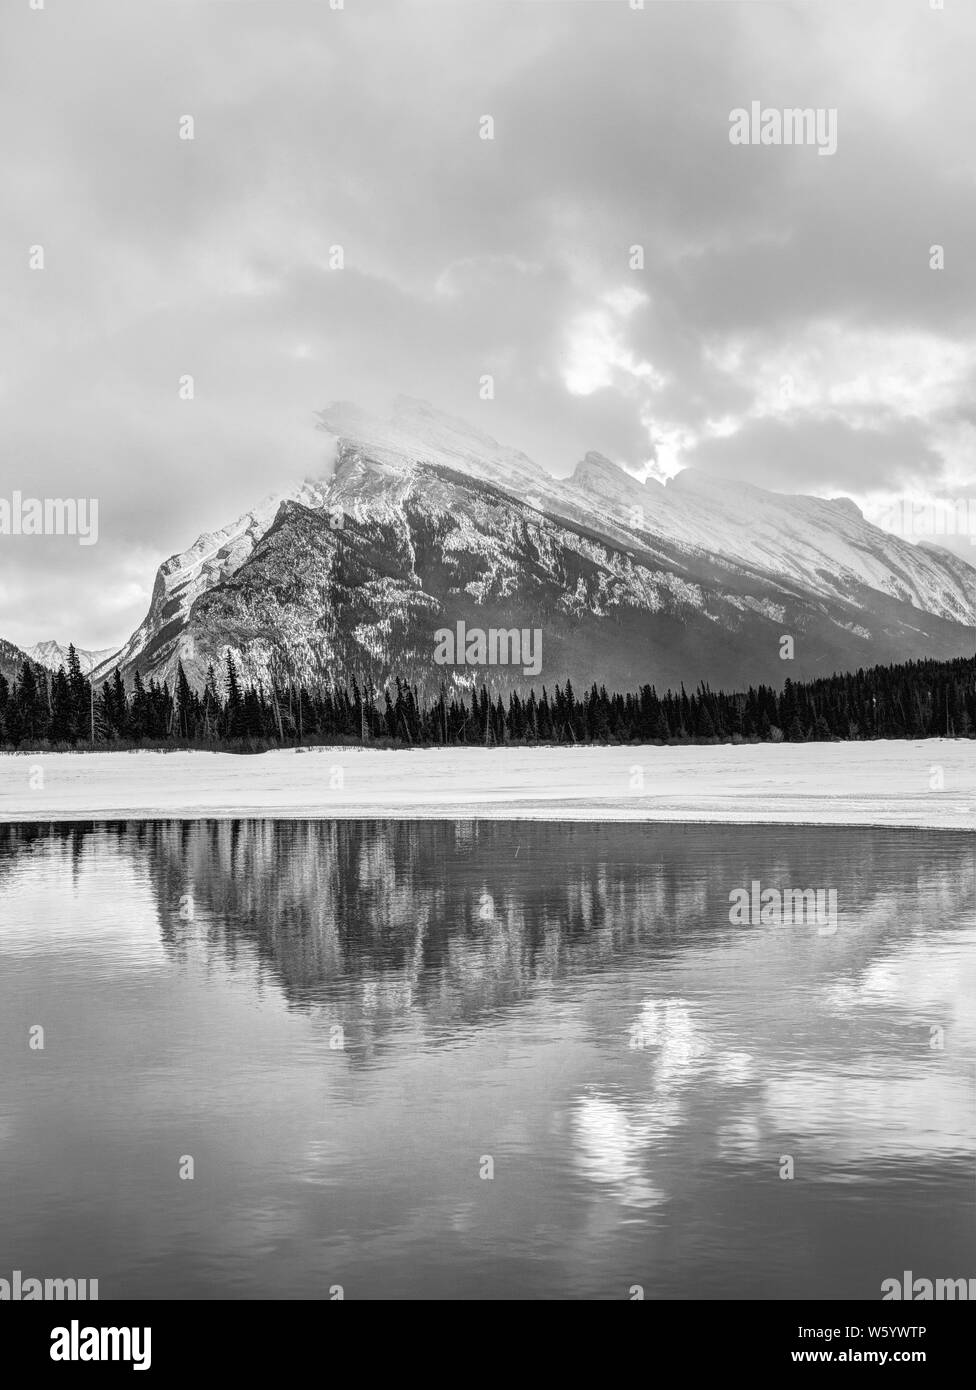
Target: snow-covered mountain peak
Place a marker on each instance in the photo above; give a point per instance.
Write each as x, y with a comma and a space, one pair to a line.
53, 655
595, 468
417, 433
419, 484
846, 504
619, 494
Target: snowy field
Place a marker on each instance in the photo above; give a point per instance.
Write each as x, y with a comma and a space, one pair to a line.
930, 783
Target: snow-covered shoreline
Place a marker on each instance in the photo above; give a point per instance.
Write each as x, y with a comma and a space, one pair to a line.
928, 783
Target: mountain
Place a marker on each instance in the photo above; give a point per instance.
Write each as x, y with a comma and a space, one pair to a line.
427, 522
827, 546
154, 647
11, 660
53, 655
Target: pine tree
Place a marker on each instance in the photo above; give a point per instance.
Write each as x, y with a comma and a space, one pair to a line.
29, 703
184, 704
62, 724
80, 694
138, 710
118, 707
234, 709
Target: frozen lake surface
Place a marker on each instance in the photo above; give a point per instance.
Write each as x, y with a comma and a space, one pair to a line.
927, 783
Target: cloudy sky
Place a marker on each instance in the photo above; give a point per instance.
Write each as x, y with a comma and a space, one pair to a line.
786, 327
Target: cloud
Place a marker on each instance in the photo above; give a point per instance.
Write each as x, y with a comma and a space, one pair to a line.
826, 456
359, 128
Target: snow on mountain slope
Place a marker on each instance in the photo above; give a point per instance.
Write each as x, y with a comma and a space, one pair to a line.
417, 433
53, 655
826, 545
427, 520
425, 548
183, 578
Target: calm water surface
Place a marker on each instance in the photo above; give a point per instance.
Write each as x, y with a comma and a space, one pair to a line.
343, 1022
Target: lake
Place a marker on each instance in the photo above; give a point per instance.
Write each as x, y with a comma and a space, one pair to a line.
484, 1060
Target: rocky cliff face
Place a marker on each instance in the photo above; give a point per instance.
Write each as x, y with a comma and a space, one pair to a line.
11, 660
427, 523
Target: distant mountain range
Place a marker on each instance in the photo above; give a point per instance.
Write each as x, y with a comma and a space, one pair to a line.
427, 522
53, 655
11, 660
49, 655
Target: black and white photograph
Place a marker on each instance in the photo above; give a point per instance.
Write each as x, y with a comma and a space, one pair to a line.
488, 667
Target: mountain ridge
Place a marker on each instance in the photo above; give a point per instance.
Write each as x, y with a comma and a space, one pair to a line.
53, 654
441, 523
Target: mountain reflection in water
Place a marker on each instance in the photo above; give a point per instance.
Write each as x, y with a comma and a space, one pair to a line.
342, 1021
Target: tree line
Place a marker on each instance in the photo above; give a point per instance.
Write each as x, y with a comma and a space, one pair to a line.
917, 699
